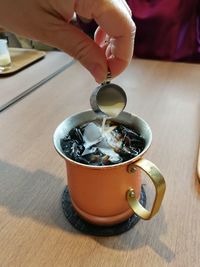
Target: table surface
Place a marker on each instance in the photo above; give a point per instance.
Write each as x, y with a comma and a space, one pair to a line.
33, 229
29, 78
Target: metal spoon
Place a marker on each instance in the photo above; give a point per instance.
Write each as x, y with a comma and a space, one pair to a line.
108, 99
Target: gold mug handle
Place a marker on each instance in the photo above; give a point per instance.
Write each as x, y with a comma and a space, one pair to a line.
159, 183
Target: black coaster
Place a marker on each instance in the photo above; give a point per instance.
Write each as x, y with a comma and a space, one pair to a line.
91, 229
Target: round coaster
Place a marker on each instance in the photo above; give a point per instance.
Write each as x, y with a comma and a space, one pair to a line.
97, 230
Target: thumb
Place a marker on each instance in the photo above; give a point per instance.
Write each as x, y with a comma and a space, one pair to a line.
81, 47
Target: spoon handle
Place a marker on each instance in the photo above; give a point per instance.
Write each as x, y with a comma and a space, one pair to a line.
108, 77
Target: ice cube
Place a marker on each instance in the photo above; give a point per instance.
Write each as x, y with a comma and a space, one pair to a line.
88, 150
107, 147
113, 140
113, 156
92, 133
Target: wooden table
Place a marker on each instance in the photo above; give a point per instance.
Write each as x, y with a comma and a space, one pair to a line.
27, 80
33, 229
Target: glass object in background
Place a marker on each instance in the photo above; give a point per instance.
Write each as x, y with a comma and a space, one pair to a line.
5, 60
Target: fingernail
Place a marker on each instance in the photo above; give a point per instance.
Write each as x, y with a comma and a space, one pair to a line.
98, 72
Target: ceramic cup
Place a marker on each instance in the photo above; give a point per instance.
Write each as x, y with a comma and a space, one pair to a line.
5, 60
107, 195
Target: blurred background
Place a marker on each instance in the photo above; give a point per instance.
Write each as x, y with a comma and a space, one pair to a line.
21, 42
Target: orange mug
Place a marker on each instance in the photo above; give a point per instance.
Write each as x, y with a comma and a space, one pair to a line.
107, 195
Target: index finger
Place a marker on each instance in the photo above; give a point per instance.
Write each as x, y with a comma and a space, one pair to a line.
115, 20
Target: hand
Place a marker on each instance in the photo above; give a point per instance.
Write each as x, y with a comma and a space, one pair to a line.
49, 22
